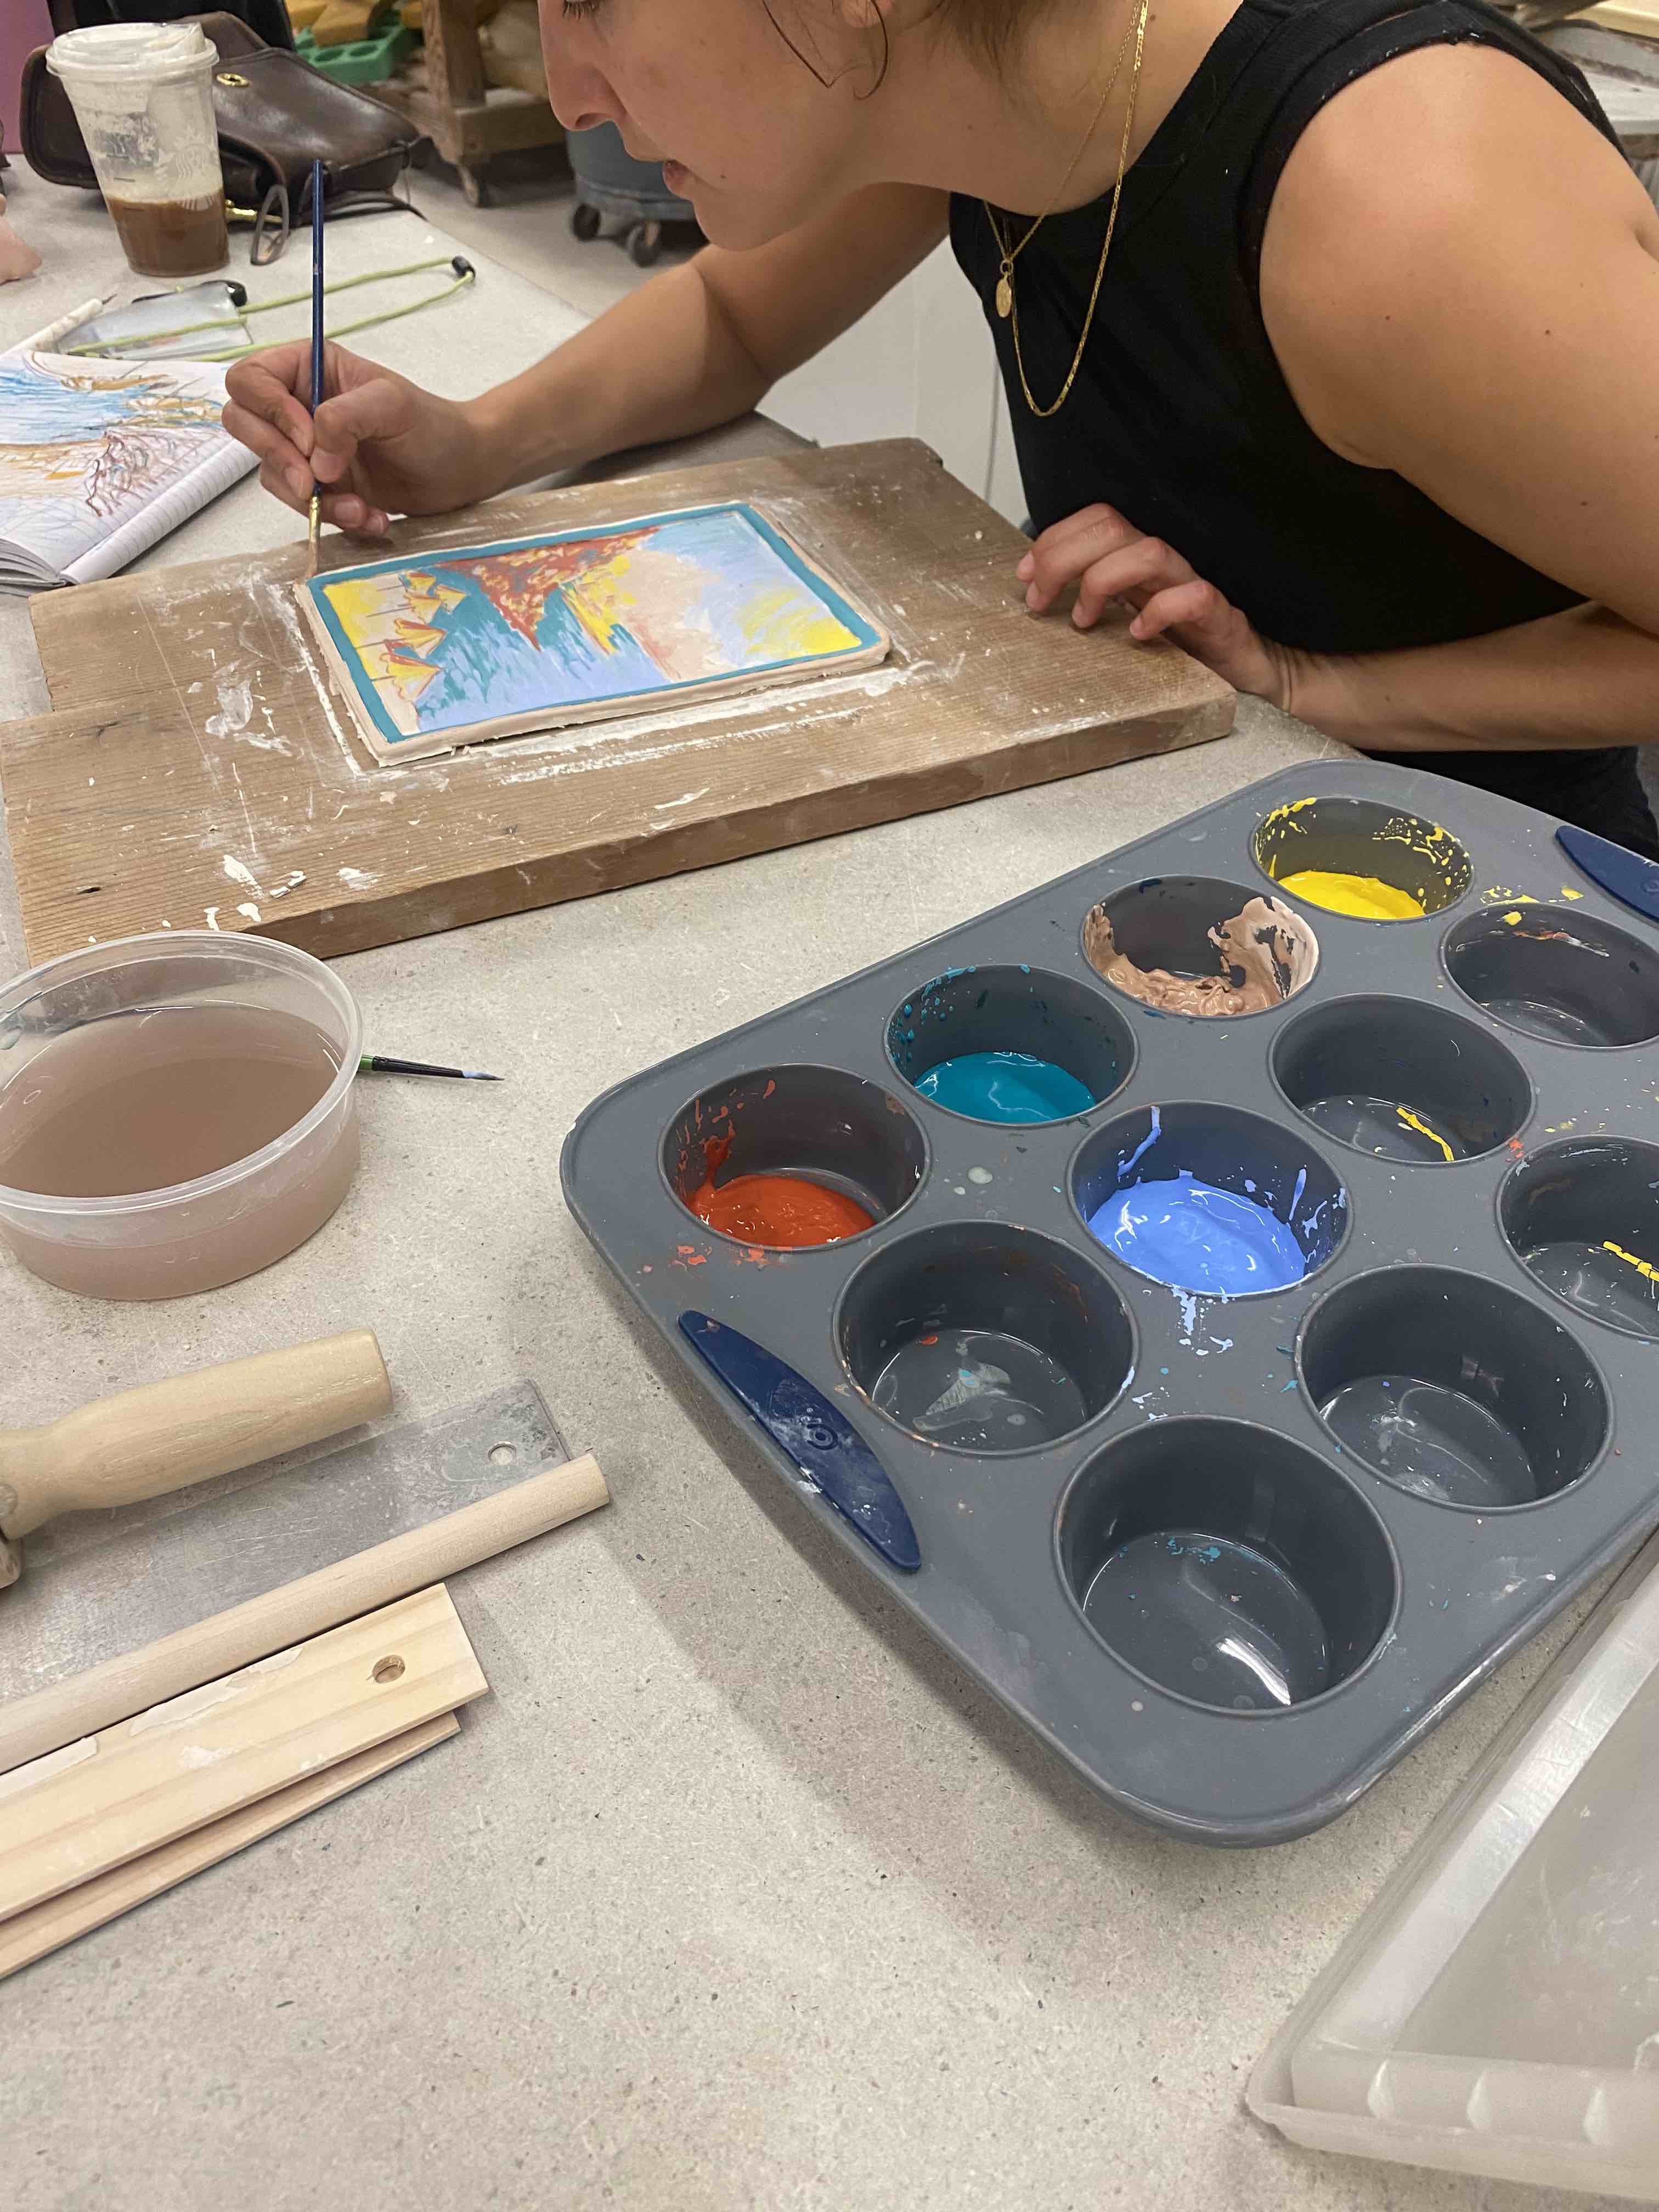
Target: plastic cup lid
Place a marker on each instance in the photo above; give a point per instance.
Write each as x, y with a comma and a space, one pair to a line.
113, 51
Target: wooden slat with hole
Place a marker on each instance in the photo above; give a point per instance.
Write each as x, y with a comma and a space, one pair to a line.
195, 743
104, 1800
47, 1927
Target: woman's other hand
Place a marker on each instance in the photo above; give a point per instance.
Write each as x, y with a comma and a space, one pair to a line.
1109, 559
378, 445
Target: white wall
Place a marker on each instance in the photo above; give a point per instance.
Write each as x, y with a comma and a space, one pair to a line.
919, 365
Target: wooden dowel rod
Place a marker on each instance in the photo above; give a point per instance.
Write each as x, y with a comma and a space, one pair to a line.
117, 1688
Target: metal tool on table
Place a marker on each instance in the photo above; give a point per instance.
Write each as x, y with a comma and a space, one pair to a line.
135, 1608
167, 1436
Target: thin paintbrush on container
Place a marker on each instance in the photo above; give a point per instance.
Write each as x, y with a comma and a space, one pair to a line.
316, 514
380, 1063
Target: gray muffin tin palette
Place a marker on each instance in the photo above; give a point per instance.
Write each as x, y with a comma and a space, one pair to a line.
1087, 1583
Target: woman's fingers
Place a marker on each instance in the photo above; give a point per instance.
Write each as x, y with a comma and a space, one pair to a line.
378, 409
344, 510
1065, 549
1213, 630
265, 388
1136, 571
1110, 560
1192, 604
272, 446
348, 511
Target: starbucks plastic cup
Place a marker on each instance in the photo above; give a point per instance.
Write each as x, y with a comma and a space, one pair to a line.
142, 96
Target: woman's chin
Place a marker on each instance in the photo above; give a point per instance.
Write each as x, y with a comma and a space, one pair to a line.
724, 217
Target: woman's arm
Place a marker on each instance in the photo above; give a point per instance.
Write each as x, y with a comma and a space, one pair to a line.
705, 342
696, 347
1461, 279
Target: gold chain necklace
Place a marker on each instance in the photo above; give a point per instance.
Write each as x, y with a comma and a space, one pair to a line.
1009, 254
1005, 279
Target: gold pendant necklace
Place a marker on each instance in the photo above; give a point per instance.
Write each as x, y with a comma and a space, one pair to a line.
1008, 255
1005, 279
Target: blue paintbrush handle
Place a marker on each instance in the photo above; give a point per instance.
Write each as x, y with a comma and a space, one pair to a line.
821, 1443
316, 286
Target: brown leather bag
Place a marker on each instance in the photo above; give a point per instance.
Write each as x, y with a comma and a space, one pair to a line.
275, 115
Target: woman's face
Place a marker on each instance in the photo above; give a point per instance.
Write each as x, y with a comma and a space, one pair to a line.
711, 88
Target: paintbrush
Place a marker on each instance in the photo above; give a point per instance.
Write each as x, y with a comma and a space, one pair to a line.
380, 1063
316, 517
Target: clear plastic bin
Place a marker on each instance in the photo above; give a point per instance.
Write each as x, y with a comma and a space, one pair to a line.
1497, 2010
190, 1235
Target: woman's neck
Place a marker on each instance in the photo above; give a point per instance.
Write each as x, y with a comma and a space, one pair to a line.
1005, 131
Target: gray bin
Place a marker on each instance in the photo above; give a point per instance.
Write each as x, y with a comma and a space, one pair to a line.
609, 182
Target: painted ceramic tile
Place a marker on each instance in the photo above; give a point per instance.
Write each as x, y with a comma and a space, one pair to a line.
445, 649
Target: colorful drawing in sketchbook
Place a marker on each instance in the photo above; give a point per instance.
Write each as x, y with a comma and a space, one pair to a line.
100, 458
445, 649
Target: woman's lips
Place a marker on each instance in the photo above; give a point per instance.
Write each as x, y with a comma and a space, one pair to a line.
676, 177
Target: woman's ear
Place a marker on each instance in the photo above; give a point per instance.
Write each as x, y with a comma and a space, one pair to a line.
837, 38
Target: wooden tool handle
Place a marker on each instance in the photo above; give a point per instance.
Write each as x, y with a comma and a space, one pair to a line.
168, 1435
117, 1688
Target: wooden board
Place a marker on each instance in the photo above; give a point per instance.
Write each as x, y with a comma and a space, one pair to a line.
47, 1927
196, 762
104, 1800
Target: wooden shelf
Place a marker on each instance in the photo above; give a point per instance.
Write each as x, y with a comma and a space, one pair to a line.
445, 96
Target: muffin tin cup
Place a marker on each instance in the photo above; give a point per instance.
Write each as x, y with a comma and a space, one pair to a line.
1454, 1388
1420, 1263
1582, 1217
1227, 1564
1346, 835
941, 1317
819, 1123
1401, 1079
1172, 924
1253, 1158
1557, 975
1013, 1010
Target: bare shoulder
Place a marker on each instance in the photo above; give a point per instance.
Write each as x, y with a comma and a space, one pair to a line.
1446, 184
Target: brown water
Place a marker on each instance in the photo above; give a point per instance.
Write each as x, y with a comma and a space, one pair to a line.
172, 238
145, 1102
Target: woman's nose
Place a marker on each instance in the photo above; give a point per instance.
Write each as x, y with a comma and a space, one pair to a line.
580, 96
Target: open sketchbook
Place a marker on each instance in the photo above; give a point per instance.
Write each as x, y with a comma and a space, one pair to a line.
448, 648
99, 459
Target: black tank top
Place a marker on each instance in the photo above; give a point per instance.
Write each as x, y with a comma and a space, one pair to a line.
1181, 418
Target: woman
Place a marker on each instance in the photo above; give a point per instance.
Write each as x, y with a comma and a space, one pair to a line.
1330, 328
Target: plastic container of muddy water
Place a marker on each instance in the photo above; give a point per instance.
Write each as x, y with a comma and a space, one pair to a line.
1254, 1288
177, 1111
